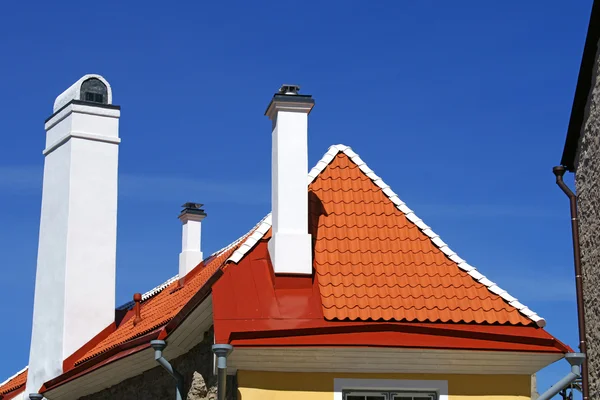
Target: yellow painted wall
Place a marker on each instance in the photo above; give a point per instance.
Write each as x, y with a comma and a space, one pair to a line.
256, 385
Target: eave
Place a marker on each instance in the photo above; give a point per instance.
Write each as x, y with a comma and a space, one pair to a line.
582, 90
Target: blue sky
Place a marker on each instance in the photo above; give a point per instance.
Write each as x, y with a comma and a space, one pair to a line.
461, 107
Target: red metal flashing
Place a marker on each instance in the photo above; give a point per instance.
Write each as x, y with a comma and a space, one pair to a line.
253, 307
407, 335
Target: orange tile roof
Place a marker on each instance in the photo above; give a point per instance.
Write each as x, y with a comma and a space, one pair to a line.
375, 264
15, 383
375, 260
162, 307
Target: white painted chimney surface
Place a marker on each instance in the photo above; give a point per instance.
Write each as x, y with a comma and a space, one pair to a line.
191, 252
75, 278
290, 247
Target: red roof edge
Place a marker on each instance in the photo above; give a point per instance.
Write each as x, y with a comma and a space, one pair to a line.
13, 393
194, 302
500, 335
70, 361
249, 333
108, 357
132, 346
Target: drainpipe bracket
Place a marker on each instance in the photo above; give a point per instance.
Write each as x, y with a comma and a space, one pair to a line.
158, 344
575, 358
222, 350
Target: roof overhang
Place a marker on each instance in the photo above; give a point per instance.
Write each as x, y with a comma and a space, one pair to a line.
582, 90
314, 332
134, 357
387, 360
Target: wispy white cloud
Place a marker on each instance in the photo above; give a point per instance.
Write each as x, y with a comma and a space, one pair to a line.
158, 188
24, 179
539, 287
20, 179
484, 211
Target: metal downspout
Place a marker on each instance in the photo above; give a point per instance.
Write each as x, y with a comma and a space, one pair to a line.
159, 346
559, 172
222, 351
576, 360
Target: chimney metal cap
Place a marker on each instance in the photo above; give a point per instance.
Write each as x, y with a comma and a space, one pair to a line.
193, 208
289, 90
288, 97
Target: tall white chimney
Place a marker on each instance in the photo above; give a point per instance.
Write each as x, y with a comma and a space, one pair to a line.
191, 254
290, 244
75, 279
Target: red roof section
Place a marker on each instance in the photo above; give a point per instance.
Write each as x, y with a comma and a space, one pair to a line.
161, 308
253, 307
14, 385
375, 264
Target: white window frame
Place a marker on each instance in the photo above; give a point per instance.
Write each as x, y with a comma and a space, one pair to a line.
389, 385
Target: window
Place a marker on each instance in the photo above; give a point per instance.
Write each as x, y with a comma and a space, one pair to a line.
377, 395
94, 90
389, 389
94, 97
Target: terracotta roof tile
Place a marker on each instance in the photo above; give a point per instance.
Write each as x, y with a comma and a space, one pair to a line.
374, 264
15, 382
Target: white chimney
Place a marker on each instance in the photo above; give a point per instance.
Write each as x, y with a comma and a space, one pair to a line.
75, 279
191, 254
290, 246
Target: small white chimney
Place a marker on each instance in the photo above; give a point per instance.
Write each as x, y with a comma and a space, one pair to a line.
290, 245
191, 254
75, 279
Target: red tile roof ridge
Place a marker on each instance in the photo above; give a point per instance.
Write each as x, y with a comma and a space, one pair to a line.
168, 282
329, 156
6, 386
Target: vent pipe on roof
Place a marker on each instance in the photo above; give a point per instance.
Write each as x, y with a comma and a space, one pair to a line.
191, 253
137, 298
290, 246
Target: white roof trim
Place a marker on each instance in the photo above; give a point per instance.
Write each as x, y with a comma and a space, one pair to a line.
14, 376
259, 231
265, 224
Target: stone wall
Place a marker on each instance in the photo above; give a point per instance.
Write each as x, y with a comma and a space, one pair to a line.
588, 198
155, 384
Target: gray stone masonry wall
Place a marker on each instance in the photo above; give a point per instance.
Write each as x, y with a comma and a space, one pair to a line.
588, 198
155, 384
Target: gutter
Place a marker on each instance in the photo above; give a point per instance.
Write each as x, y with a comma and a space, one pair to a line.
112, 355
159, 346
576, 360
559, 172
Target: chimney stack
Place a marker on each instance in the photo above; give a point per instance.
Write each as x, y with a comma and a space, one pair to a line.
75, 278
191, 253
290, 246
